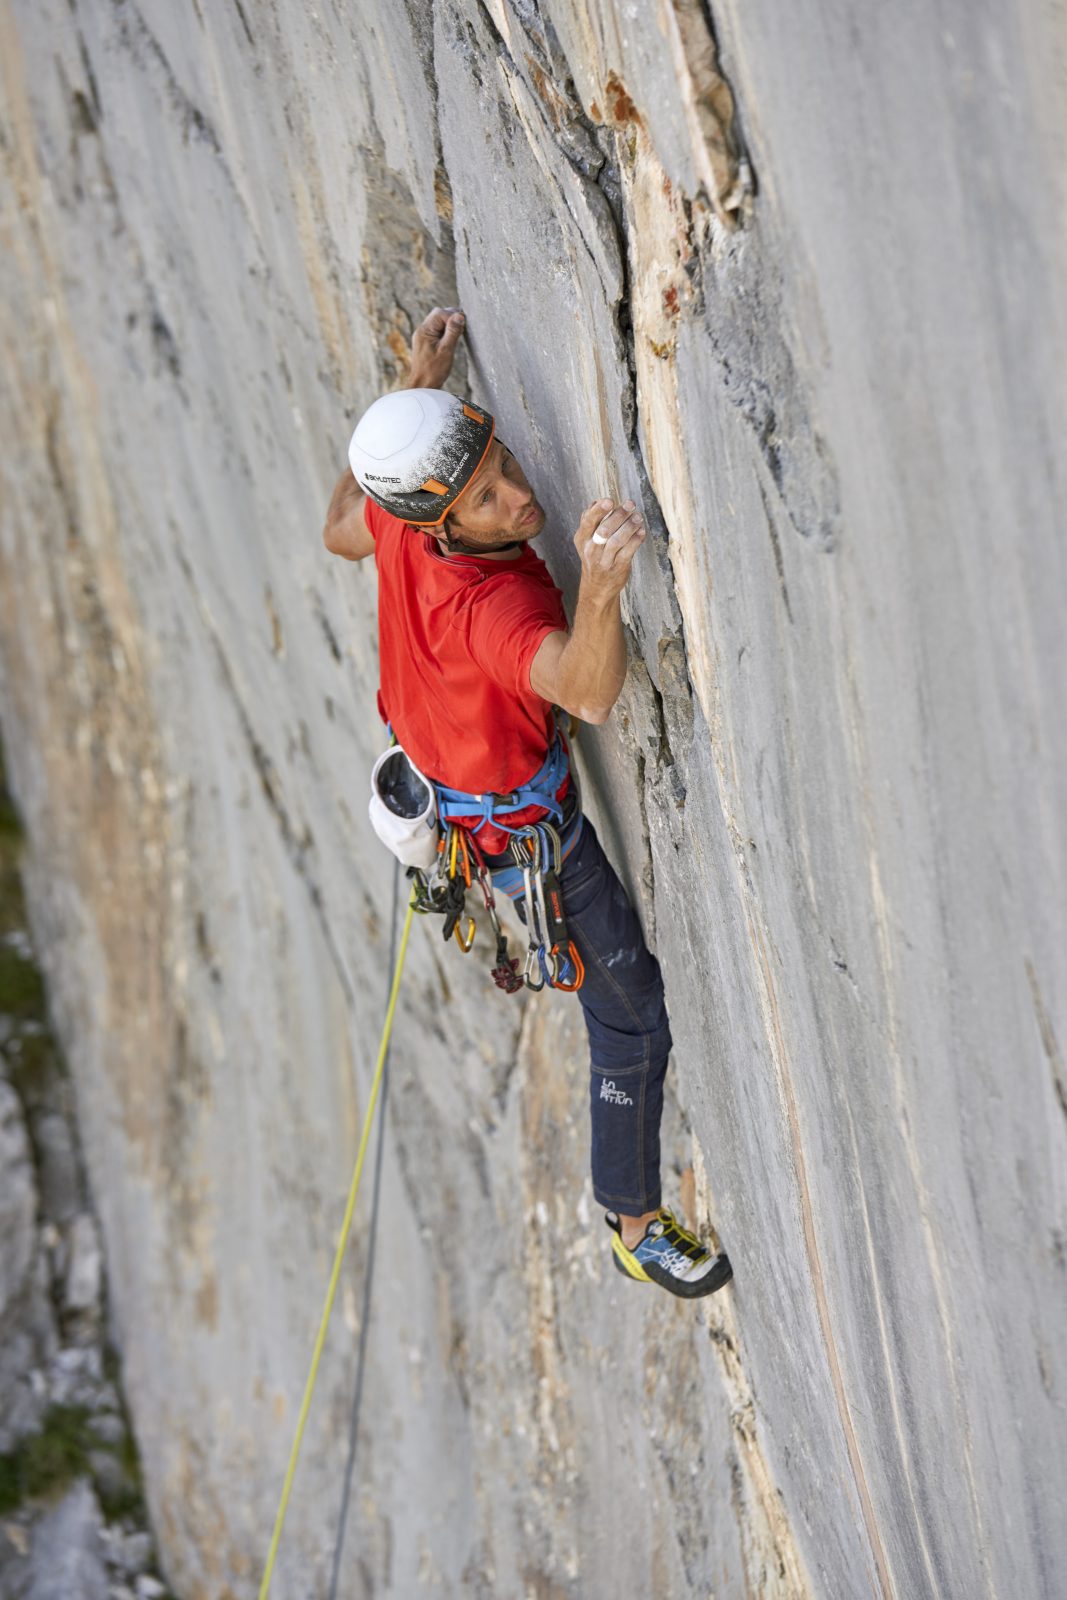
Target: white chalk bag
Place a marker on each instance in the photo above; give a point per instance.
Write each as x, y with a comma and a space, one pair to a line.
403, 809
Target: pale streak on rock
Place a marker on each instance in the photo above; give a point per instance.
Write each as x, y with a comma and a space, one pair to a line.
774, 1566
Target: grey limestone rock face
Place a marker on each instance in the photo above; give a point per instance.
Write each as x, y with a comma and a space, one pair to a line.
84, 1267
66, 1559
795, 283
26, 1331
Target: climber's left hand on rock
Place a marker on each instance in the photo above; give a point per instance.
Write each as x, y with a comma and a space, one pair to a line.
433, 347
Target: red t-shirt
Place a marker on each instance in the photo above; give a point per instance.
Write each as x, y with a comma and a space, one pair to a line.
456, 637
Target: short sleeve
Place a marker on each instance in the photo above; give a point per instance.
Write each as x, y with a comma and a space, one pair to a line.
375, 517
508, 621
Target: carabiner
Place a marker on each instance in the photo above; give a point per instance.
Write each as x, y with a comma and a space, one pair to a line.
466, 858
535, 933
543, 934
465, 942
569, 953
531, 961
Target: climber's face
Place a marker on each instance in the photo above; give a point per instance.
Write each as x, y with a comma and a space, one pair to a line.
498, 503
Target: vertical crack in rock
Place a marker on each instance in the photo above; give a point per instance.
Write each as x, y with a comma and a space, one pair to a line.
722, 164
592, 151
421, 269
741, 305
407, 264
243, 18
688, 264
777, 548
1049, 1042
142, 43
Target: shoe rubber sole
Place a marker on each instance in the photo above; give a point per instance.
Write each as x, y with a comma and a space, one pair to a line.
720, 1273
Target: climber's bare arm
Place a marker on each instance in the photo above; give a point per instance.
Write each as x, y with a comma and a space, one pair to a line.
346, 532
583, 670
433, 349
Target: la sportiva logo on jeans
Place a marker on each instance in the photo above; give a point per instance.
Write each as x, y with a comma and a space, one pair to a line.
617, 1097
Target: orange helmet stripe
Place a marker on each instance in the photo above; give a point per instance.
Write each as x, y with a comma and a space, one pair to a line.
435, 522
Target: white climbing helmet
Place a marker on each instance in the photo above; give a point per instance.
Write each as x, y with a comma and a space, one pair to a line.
414, 452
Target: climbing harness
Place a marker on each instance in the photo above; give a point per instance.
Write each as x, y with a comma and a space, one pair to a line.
539, 791
537, 852
335, 1275
433, 830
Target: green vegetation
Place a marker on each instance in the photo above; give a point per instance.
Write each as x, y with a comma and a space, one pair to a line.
10, 827
21, 987
12, 909
31, 1054
48, 1460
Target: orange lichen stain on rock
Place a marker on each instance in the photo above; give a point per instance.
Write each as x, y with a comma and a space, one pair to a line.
664, 351
595, 112
442, 194
670, 301
687, 1186
622, 108
398, 344
186, 1503
547, 92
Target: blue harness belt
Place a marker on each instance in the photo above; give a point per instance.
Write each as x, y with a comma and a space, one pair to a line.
540, 790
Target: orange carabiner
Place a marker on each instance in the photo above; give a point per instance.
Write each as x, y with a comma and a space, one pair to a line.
466, 858
571, 952
465, 942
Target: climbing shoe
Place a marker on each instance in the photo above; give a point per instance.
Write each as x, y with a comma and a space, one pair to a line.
671, 1256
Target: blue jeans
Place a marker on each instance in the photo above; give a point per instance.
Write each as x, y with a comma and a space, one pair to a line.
626, 1018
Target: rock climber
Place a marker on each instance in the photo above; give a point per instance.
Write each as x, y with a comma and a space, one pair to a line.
475, 654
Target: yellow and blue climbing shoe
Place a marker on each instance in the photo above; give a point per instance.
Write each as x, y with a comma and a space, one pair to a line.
671, 1256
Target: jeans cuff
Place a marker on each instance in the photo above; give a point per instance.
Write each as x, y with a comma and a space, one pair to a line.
627, 1204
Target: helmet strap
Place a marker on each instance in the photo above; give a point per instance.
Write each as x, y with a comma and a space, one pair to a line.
456, 546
